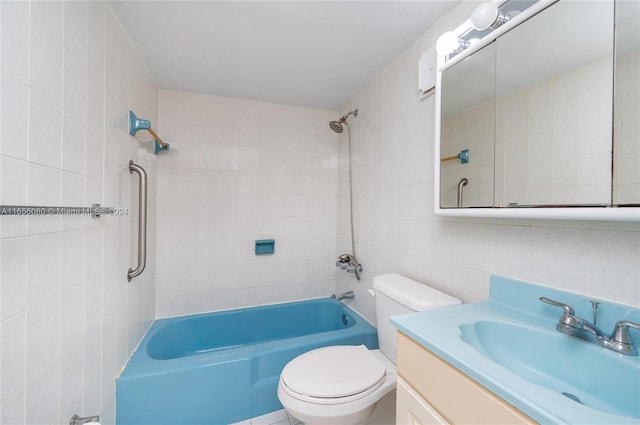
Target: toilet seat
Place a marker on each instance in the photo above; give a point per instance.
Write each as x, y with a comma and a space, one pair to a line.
333, 375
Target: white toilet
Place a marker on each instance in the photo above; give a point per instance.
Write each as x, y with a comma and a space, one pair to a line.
347, 385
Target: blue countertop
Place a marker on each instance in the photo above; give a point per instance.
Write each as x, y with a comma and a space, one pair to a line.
517, 303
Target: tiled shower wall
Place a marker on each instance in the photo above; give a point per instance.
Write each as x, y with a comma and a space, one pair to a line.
68, 317
239, 171
396, 229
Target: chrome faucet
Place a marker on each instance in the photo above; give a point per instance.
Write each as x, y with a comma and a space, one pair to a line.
618, 341
77, 420
349, 295
349, 263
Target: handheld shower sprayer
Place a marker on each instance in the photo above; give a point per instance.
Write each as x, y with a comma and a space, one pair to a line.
348, 262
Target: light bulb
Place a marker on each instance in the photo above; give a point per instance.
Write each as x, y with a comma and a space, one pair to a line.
487, 16
448, 43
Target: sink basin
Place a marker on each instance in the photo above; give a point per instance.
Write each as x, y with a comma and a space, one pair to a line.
583, 372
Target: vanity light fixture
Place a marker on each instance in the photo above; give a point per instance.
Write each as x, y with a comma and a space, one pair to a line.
487, 15
449, 43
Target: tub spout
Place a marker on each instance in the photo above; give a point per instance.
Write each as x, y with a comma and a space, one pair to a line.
349, 295
77, 420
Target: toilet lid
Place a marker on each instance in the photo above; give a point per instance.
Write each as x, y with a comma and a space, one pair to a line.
331, 372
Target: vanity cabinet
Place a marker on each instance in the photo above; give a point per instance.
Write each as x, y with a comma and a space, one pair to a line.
431, 391
412, 409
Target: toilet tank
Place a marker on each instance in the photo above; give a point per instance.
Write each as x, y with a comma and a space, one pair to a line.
396, 294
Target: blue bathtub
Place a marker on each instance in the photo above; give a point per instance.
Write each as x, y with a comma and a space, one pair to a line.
223, 367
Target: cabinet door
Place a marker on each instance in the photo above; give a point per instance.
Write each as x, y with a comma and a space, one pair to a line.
411, 409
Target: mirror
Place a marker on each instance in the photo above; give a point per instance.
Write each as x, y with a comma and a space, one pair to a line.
554, 90
531, 103
626, 144
468, 114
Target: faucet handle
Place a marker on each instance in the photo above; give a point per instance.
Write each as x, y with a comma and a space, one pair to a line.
568, 310
620, 340
568, 323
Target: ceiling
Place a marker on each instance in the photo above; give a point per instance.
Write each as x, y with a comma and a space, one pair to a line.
310, 53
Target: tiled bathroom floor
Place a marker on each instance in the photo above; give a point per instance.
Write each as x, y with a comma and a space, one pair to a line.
279, 417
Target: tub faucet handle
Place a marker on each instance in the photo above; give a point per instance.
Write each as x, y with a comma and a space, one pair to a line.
349, 263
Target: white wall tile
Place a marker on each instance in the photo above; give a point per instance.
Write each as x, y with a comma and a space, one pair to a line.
15, 39
76, 58
94, 151
560, 256
13, 409
13, 191
460, 254
472, 246
58, 337
44, 189
44, 185
45, 131
46, 49
13, 139
538, 174
71, 321
13, 276
71, 408
73, 253
614, 271
74, 144
42, 394
260, 181
594, 171
43, 268
73, 189
440, 241
43, 335
411, 266
96, 66
71, 383
405, 240
471, 285
13, 357
595, 119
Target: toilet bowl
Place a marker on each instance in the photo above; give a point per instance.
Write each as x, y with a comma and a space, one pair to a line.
336, 385
348, 385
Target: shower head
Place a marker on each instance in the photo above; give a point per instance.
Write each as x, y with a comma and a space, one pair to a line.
338, 126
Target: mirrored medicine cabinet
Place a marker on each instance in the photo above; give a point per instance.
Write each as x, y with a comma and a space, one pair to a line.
540, 118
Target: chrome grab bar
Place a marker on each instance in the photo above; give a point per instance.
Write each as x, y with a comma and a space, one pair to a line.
463, 182
142, 221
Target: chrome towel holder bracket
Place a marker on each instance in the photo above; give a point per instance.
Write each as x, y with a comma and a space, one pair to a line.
136, 124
